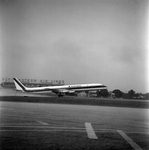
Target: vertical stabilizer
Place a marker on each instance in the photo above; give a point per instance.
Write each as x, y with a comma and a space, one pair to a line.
19, 86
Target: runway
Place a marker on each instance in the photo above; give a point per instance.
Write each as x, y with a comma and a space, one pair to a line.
29, 125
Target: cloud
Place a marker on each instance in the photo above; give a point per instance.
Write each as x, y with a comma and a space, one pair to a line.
64, 47
126, 54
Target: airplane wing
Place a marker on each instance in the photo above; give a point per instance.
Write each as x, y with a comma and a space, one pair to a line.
62, 92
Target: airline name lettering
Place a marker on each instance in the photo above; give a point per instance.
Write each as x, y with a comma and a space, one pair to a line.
74, 86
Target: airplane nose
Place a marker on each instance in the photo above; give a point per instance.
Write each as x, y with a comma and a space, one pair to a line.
104, 86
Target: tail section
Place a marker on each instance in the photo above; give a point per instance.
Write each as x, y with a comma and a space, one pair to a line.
19, 86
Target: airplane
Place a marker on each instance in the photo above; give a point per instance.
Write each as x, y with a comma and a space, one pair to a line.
59, 90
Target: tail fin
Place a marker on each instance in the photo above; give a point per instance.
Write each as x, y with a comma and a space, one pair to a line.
19, 86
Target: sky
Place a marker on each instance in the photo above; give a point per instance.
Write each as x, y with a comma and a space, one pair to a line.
78, 41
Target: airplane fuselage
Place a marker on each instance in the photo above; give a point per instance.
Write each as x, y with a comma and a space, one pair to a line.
60, 90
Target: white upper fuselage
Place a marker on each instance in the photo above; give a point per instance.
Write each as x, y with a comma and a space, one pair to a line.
75, 87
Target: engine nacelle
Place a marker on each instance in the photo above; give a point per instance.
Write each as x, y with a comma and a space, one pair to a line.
70, 91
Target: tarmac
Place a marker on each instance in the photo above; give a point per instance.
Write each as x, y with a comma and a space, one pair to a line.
67, 124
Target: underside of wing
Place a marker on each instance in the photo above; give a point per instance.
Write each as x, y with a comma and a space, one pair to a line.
62, 92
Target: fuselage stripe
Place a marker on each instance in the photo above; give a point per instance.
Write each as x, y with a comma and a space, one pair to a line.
56, 89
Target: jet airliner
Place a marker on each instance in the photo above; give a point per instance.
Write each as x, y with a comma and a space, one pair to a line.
59, 90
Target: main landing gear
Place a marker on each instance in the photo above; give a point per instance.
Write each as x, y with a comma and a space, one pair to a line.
59, 95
